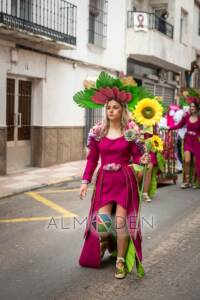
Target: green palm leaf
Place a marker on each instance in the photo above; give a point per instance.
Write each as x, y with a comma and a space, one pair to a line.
105, 80
117, 82
161, 161
138, 93
153, 185
83, 99
130, 256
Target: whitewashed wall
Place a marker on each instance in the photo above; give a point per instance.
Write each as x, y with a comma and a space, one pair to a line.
4, 67
196, 36
55, 81
175, 52
113, 56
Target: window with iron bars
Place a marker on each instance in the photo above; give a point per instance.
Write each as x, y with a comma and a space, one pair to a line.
98, 22
92, 116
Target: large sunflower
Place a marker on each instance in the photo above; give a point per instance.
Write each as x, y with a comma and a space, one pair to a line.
156, 143
148, 112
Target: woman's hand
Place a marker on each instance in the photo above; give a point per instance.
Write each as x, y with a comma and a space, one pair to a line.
162, 128
83, 190
145, 159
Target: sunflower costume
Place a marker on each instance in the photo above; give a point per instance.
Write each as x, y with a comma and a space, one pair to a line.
148, 113
158, 160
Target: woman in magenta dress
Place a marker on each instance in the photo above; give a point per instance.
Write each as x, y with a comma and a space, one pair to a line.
191, 143
116, 188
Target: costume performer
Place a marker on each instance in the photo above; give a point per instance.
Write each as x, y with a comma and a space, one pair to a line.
191, 143
146, 195
142, 114
116, 187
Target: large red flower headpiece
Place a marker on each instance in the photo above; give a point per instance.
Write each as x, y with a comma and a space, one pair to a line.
105, 94
193, 99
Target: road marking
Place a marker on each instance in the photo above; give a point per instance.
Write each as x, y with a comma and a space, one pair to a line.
60, 191
17, 220
51, 204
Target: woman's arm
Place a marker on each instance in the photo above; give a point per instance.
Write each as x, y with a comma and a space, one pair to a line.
181, 124
92, 161
137, 150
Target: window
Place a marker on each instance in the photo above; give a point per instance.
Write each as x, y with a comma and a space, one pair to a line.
158, 90
199, 22
92, 116
184, 27
98, 22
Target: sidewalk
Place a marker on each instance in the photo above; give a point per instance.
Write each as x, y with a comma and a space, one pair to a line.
33, 178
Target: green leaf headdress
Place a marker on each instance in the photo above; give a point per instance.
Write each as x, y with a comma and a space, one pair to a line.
123, 90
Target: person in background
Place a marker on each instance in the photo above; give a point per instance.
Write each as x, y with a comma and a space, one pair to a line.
191, 143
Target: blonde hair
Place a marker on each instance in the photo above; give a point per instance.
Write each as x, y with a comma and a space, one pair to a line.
124, 120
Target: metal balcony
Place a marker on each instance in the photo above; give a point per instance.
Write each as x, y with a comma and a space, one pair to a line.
154, 23
52, 19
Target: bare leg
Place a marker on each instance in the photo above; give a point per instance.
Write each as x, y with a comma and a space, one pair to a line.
147, 180
122, 241
122, 231
139, 177
107, 209
194, 173
187, 160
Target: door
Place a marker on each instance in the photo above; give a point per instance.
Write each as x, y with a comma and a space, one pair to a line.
18, 119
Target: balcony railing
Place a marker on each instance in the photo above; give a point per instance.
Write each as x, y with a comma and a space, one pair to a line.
55, 19
153, 22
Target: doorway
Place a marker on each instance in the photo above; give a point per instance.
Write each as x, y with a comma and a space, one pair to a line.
18, 120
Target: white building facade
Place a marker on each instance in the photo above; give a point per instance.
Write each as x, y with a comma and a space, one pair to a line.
194, 76
47, 50
49, 47
162, 42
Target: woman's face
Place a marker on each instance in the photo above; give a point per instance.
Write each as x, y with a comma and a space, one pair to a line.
114, 110
193, 108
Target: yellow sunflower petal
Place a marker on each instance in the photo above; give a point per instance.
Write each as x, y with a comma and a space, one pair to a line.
148, 112
157, 143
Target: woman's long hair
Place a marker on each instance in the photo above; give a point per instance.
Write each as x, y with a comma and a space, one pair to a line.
124, 120
196, 104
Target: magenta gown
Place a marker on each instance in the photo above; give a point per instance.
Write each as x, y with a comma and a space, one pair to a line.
119, 186
191, 139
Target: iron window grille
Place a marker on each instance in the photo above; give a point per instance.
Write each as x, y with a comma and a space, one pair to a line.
98, 22
55, 19
92, 116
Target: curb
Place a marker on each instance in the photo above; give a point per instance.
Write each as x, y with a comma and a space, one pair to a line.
42, 185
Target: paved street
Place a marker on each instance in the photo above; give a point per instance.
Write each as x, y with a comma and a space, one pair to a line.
40, 248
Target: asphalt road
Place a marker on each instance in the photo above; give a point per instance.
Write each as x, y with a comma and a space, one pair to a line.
40, 248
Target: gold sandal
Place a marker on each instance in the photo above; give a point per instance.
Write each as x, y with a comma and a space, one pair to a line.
193, 185
121, 272
146, 197
185, 185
